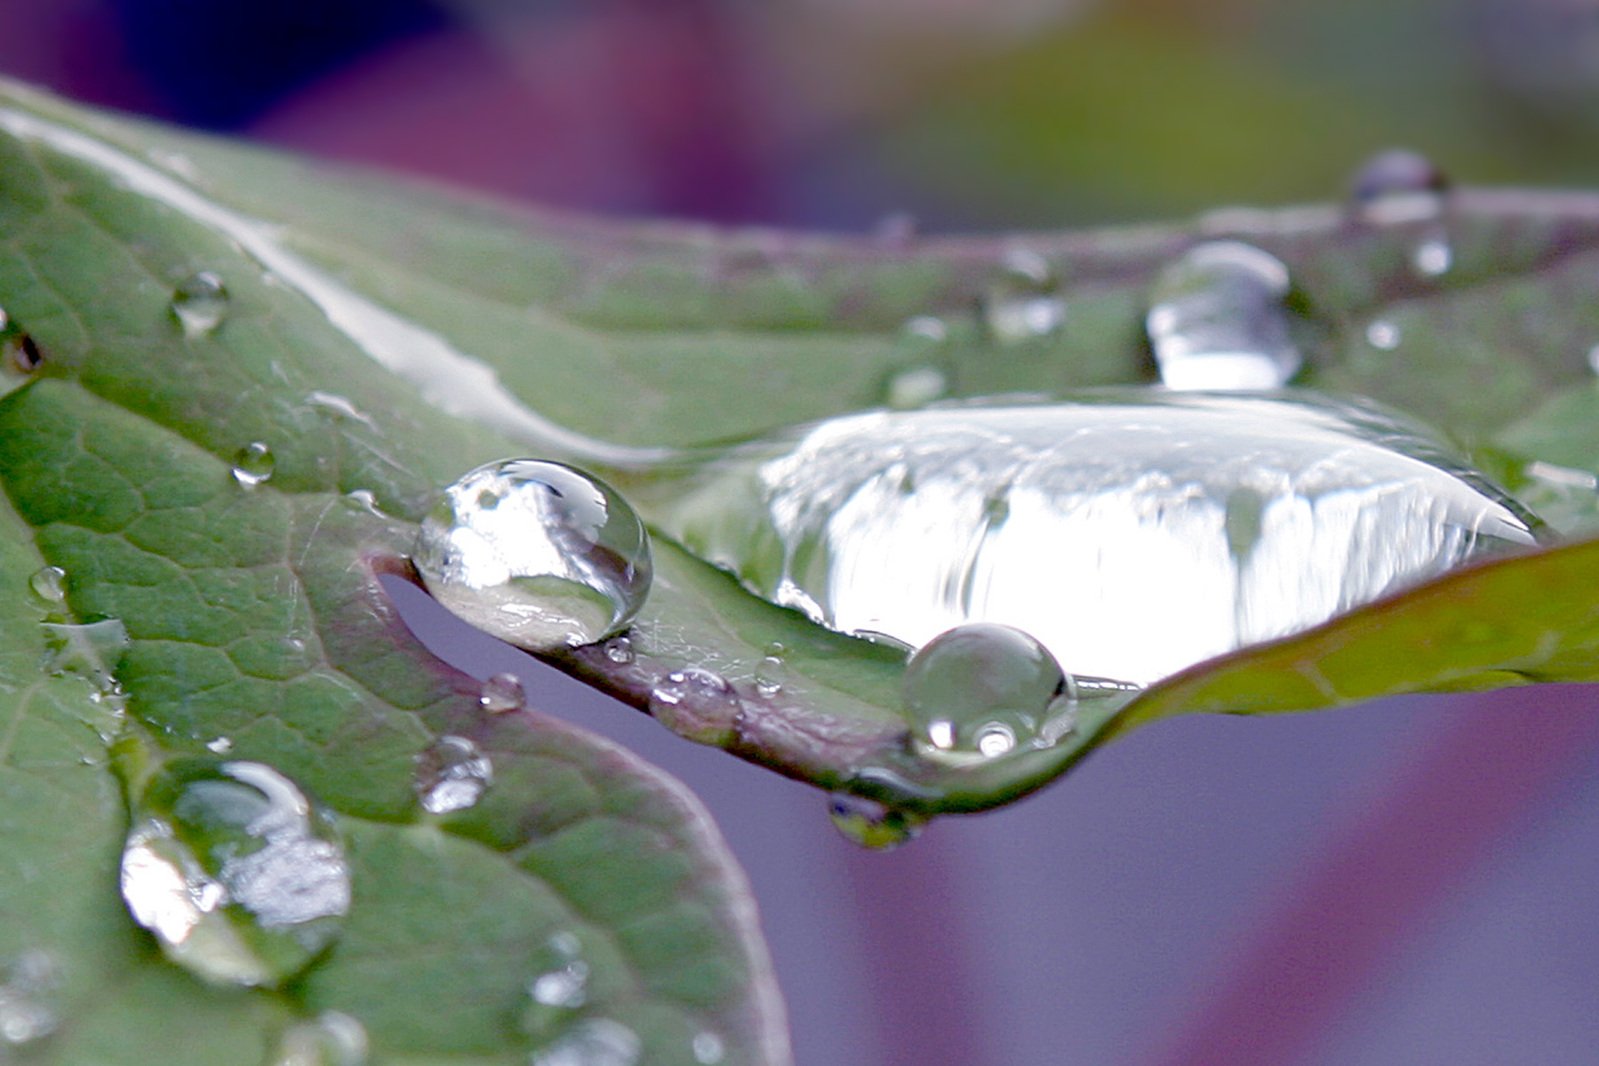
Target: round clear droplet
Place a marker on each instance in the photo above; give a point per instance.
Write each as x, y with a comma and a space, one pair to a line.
871, 824
49, 584
451, 775
1397, 186
698, 704
502, 693
619, 650
537, 553
330, 1039
980, 689
773, 668
1383, 335
1218, 319
200, 303
1024, 302
253, 464
239, 875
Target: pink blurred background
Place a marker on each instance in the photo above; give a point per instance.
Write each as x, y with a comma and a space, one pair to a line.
1412, 881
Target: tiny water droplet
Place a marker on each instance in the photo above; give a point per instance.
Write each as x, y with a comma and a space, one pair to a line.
1383, 335
1433, 257
220, 746
49, 584
619, 650
592, 1042
502, 693
871, 824
709, 1049
980, 688
561, 988
253, 464
698, 704
335, 406
537, 553
364, 500
1398, 186
1218, 319
1024, 302
451, 775
90, 650
915, 386
29, 985
200, 303
240, 876
331, 1038
769, 674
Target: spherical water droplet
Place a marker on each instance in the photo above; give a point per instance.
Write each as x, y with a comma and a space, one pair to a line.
330, 1039
1433, 257
869, 823
619, 650
1383, 335
253, 464
593, 1042
536, 553
696, 704
502, 693
200, 303
1218, 319
709, 1049
241, 878
980, 688
29, 986
50, 585
451, 775
1024, 303
561, 988
1398, 186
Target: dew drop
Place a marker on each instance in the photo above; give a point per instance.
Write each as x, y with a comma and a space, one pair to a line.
49, 584
871, 824
1218, 319
697, 704
330, 1039
709, 1049
29, 985
239, 875
619, 650
253, 464
536, 553
1398, 186
451, 775
1383, 335
200, 303
915, 386
502, 693
1433, 257
220, 745
593, 1042
1024, 302
980, 688
561, 988
769, 674
364, 500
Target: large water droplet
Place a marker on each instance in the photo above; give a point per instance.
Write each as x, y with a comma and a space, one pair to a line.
452, 775
593, 1042
980, 689
502, 693
561, 988
49, 584
1218, 319
200, 303
1398, 186
29, 985
536, 553
1024, 302
241, 878
254, 464
1115, 549
329, 1039
697, 704
869, 823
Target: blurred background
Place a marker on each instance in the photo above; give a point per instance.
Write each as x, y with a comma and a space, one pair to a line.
1412, 881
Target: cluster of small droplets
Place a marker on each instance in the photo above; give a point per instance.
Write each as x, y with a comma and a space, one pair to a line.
1023, 303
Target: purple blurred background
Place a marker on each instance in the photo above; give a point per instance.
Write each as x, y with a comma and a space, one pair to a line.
1407, 882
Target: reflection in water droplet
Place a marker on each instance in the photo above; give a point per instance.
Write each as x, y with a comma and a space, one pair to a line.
253, 464
619, 650
451, 775
1383, 335
1024, 303
502, 693
241, 878
869, 823
1398, 186
200, 303
1117, 505
28, 1010
49, 584
330, 1039
593, 1042
1218, 319
980, 688
559, 990
536, 553
709, 1049
697, 704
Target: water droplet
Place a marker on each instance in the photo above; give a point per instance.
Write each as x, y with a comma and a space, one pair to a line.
1117, 499
1218, 319
561, 988
49, 584
593, 1042
28, 1009
915, 386
980, 688
769, 674
451, 775
329, 1039
709, 1049
1024, 303
220, 746
22, 352
200, 303
335, 406
871, 824
1433, 257
1398, 186
1383, 335
619, 650
536, 553
364, 500
241, 878
90, 650
502, 693
697, 704
253, 464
